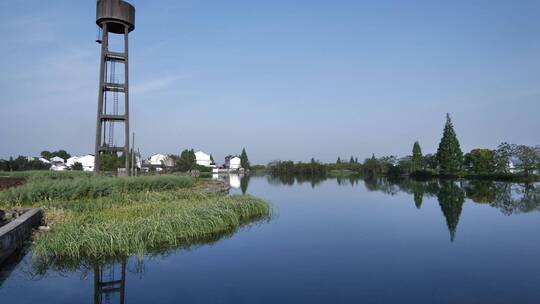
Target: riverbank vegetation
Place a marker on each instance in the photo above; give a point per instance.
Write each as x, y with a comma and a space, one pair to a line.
100, 217
509, 162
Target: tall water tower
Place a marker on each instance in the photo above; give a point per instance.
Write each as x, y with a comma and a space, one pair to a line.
113, 17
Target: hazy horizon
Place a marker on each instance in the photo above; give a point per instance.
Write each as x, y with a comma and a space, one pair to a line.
284, 80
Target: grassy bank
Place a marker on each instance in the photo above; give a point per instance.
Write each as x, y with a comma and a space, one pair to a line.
101, 217
90, 187
47, 174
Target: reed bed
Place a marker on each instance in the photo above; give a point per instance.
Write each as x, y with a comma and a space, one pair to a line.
89, 187
94, 218
47, 174
141, 224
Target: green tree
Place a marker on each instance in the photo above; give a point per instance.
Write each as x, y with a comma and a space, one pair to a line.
416, 157
372, 166
351, 161
77, 166
449, 154
529, 158
46, 154
502, 157
387, 162
60, 153
4, 165
244, 161
338, 161
405, 165
212, 162
187, 161
480, 161
429, 161
111, 161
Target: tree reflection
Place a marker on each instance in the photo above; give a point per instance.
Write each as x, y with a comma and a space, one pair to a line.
509, 198
451, 198
381, 184
244, 182
418, 198
481, 191
517, 198
371, 183
314, 180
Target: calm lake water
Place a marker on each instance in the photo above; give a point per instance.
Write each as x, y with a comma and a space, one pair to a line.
332, 241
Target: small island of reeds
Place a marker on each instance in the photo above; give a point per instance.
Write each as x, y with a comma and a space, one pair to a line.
98, 217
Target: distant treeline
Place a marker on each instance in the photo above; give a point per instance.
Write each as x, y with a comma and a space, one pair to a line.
507, 162
22, 163
291, 168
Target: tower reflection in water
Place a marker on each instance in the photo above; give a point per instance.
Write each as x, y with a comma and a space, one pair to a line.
110, 283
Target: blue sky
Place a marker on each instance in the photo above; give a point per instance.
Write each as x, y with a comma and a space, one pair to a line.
285, 79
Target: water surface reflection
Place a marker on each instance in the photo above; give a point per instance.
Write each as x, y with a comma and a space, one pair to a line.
509, 198
340, 240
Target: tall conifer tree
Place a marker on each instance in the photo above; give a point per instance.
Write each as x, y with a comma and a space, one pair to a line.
417, 156
244, 161
449, 154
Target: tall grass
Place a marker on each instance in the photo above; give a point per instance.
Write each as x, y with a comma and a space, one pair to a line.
47, 174
142, 223
97, 217
91, 187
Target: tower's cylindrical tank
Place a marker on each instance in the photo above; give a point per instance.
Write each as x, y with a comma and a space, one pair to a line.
117, 13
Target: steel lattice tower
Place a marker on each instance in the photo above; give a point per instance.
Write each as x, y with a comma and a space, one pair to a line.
117, 17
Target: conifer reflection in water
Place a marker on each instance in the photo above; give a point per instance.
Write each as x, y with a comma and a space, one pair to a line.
509, 198
451, 198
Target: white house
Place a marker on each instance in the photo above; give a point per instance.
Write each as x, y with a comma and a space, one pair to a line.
57, 164
159, 160
57, 160
87, 162
71, 161
235, 163
203, 159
